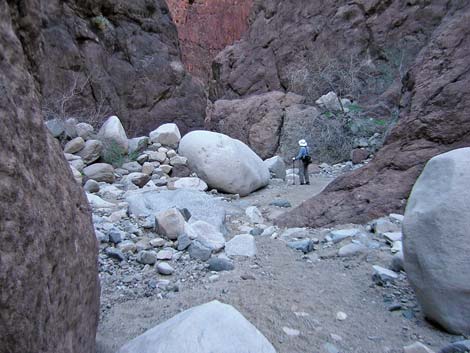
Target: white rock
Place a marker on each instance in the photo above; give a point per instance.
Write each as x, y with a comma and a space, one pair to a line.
211, 327
341, 316
330, 102
241, 245
384, 274
255, 215
436, 240
224, 163
78, 164
341, 234
397, 247
269, 231
170, 223
351, 250
178, 160
137, 144
206, 234
164, 268
138, 179
148, 168
392, 237
189, 183
133, 167
165, 254
396, 217
113, 136
167, 135
156, 156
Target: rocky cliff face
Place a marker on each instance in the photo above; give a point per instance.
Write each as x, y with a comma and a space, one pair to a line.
284, 35
48, 258
205, 27
98, 58
434, 119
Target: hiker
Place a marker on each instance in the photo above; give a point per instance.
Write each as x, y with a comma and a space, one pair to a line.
304, 156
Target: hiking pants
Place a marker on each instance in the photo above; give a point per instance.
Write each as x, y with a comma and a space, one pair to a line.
303, 173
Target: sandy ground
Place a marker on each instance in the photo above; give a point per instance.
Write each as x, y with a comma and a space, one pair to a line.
283, 288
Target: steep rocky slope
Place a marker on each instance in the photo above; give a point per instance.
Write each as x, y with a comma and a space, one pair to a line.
48, 258
434, 119
112, 57
205, 27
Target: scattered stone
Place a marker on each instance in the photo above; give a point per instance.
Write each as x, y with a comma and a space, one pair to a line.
113, 136
305, 245
165, 254
91, 186
382, 275
383, 225
101, 237
188, 183
291, 332
183, 242
359, 155
276, 167
132, 167
241, 245
170, 223
127, 246
75, 145
55, 127
178, 160
147, 257
351, 250
295, 233
336, 337
156, 156
138, 144
77, 175
214, 278
213, 327
157, 242
85, 131
206, 234
396, 217
457, 347
167, 135
220, 264
269, 231
100, 172
255, 215
138, 179
91, 152
281, 203
164, 268
256, 231
392, 237
166, 168
97, 202
180, 171
115, 236
115, 254
394, 307
341, 316
417, 347
397, 263
198, 251
148, 168
341, 234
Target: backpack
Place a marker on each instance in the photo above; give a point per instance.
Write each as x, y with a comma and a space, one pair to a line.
307, 159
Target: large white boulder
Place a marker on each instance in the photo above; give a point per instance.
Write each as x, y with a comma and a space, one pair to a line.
211, 327
224, 163
167, 135
436, 240
113, 136
100, 172
330, 102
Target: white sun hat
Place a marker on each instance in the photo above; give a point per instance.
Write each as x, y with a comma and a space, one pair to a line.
302, 143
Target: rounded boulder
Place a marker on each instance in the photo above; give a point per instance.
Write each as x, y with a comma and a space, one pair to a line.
224, 163
436, 240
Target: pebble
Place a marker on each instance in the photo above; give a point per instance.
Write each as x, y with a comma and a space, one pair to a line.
336, 337
291, 332
220, 264
115, 254
165, 255
147, 257
341, 316
165, 269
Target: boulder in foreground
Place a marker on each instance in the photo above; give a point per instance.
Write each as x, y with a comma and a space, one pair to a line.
211, 327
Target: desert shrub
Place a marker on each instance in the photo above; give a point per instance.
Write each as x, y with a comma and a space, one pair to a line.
334, 140
113, 154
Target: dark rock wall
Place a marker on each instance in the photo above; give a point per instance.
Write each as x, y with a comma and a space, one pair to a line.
49, 297
122, 58
434, 119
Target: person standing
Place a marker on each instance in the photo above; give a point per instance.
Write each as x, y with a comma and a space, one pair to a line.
304, 157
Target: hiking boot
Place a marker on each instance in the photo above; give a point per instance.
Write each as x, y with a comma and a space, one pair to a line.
302, 183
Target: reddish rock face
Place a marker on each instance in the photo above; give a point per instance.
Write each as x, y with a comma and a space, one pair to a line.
49, 296
434, 119
205, 27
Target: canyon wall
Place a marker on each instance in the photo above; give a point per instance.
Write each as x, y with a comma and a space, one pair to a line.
205, 27
98, 58
49, 300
